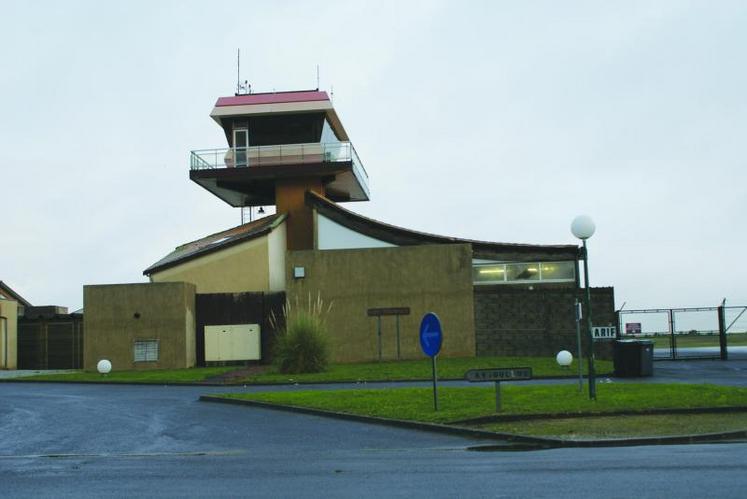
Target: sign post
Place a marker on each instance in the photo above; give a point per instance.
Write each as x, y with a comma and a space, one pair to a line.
579, 316
430, 342
497, 396
379, 313
498, 375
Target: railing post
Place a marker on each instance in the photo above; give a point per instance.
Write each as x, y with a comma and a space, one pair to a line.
618, 333
673, 339
722, 332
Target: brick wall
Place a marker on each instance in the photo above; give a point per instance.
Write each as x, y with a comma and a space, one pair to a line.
519, 321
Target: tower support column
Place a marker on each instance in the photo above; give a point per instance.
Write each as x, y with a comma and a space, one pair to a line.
290, 198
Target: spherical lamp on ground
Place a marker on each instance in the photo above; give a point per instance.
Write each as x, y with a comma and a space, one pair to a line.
564, 358
104, 366
583, 227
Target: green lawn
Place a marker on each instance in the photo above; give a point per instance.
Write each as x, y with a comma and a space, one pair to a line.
696, 340
465, 403
155, 376
370, 371
625, 426
421, 370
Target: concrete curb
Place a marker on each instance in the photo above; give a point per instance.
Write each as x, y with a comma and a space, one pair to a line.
401, 423
568, 415
414, 380
512, 442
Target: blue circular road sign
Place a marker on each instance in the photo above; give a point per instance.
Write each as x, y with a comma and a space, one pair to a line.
430, 334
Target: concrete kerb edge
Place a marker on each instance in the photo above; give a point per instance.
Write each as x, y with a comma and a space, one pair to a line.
569, 415
401, 423
513, 440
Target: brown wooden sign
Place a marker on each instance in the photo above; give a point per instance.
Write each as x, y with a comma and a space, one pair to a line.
378, 312
499, 374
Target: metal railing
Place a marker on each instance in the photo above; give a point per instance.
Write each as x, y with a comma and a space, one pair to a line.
284, 154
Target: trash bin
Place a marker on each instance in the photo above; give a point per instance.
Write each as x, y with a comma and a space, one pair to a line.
634, 358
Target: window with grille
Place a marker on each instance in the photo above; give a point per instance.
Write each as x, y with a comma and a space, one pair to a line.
146, 350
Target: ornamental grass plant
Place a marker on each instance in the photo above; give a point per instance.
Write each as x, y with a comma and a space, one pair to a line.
301, 344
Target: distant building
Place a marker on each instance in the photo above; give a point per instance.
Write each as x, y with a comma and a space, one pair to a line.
38, 337
11, 306
209, 299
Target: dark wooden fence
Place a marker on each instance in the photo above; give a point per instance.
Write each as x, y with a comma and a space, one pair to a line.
51, 343
220, 309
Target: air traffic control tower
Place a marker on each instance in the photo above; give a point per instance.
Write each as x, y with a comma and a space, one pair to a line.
281, 145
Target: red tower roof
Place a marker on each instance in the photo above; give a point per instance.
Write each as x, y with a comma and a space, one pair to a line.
272, 98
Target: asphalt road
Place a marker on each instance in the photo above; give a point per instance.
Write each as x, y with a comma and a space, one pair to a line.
69, 440
734, 352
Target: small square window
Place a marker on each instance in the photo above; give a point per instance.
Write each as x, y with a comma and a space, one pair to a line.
146, 351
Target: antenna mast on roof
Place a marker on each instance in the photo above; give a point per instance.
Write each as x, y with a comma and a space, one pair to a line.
317, 76
245, 88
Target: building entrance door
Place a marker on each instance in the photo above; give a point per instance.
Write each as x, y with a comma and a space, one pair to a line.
240, 145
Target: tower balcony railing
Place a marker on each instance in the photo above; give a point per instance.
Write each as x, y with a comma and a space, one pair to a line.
283, 154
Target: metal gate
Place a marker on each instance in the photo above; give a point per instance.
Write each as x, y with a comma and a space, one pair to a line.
689, 333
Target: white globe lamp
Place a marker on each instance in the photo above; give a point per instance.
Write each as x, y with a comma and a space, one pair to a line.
104, 366
564, 358
583, 227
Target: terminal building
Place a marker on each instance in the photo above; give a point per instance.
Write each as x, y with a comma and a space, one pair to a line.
210, 300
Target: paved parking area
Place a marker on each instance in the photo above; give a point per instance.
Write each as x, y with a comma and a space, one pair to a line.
143, 441
82, 440
718, 372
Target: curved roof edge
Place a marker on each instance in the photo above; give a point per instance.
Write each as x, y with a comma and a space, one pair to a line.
216, 242
406, 237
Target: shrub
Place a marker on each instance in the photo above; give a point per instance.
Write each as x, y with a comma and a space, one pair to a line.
301, 345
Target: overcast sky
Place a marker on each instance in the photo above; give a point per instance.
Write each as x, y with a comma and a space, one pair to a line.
489, 120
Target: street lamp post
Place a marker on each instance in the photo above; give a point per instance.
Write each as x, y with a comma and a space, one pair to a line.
583, 228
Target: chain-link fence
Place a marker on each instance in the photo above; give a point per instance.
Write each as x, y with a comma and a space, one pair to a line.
689, 333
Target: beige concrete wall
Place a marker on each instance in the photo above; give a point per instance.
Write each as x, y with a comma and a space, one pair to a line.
118, 314
190, 325
276, 249
239, 268
433, 278
9, 337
